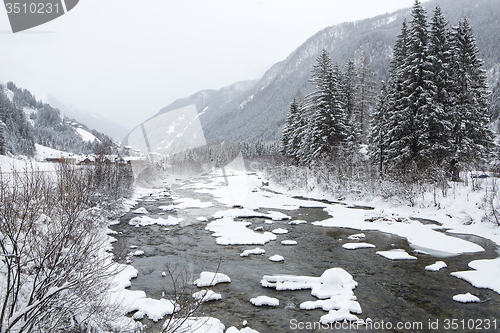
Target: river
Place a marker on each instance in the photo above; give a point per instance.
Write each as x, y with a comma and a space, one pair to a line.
399, 291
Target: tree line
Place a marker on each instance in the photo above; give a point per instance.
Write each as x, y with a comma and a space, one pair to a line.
27, 121
432, 112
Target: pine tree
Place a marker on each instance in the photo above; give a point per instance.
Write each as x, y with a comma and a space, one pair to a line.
378, 139
365, 95
396, 103
440, 53
328, 126
3, 129
348, 88
291, 136
472, 138
418, 91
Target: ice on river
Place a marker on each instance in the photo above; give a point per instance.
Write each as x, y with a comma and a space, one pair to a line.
486, 274
248, 213
206, 295
280, 231
354, 246
146, 220
230, 232
233, 329
276, 258
419, 236
436, 266
140, 210
334, 290
208, 279
466, 298
264, 300
257, 250
396, 254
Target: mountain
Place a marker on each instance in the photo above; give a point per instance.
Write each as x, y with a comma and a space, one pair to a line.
89, 119
250, 111
30, 121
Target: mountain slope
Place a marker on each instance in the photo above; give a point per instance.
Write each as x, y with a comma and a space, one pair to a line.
258, 110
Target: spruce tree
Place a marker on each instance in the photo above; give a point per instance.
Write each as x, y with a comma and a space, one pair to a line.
396, 100
292, 131
327, 122
365, 95
472, 138
378, 139
440, 52
413, 144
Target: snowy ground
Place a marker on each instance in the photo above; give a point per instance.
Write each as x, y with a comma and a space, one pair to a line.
238, 189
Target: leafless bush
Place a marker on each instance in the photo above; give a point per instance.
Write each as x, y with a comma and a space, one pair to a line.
54, 273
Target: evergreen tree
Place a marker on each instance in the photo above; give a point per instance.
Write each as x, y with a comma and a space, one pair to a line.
472, 138
365, 95
290, 139
328, 124
348, 90
396, 103
378, 139
412, 145
440, 53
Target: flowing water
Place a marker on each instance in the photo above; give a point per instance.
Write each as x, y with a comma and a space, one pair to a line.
388, 291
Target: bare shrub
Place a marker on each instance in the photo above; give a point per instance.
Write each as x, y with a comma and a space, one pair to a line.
54, 273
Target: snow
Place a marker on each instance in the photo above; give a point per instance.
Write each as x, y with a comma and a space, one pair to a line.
86, 136
233, 329
486, 274
338, 315
288, 242
146, 220
280, 231
466, 298
257, 250
334, 290
230, 232
196, 325
184, 203
153, 308
420, 236
265, 300
297, 222
207, 295
354, 246
248, 213
43, 152
436, 266
356, 236
138, 253
208, 279
140, 210
276, 258
396, 254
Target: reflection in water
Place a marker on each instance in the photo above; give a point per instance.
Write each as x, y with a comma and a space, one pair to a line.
392, 291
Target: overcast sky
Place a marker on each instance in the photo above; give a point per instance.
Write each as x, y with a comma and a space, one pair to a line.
127, 59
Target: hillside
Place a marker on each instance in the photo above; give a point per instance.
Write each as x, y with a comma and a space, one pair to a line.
252, 111
30, 121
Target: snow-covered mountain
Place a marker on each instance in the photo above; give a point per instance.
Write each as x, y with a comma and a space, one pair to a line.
256, 110
91, 120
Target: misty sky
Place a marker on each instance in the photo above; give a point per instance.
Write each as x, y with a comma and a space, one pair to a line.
127, 59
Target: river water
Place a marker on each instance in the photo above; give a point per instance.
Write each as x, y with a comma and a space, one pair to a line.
388, 291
